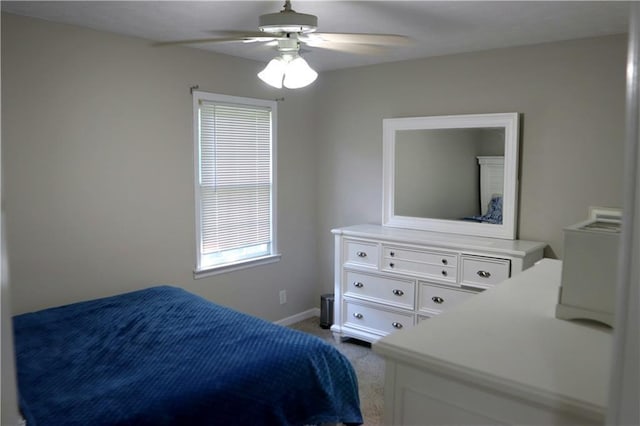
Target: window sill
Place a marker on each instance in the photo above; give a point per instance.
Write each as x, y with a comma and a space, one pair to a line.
229, 267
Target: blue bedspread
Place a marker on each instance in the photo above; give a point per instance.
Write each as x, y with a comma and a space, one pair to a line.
163, 356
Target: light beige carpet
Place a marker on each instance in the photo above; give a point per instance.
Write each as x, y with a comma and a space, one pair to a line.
368, 365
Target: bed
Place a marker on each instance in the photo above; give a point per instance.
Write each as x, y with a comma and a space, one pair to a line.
491, 189
164, 356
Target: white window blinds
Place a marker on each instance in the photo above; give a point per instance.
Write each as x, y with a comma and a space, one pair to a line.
234, 181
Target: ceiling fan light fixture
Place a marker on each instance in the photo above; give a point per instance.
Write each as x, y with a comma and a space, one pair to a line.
299, 74
273, 73
290, 70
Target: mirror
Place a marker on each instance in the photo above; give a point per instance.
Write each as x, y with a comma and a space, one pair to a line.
455, 174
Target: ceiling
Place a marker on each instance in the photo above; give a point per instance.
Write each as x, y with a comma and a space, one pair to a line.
436, 27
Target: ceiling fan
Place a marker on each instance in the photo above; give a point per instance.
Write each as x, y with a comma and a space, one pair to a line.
287, 31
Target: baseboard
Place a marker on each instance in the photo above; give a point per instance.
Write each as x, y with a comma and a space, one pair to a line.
314, 312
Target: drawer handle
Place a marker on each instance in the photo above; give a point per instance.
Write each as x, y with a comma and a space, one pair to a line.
396, 325
398, 292
391, 265
437, 299
484, 274
357, 315
361, 254
358, 284
392, 253
444, 261
444, 273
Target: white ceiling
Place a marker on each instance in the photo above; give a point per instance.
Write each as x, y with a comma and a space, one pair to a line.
436, 27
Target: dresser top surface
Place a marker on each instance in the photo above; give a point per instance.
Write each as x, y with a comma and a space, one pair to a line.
440, 239
508, 338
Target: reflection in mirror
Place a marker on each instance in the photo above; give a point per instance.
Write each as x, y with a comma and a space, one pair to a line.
454, 174
452, 160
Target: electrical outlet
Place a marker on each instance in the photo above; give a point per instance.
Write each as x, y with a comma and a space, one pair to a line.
283, 297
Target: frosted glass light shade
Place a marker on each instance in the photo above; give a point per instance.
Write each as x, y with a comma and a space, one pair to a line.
299, 74
273, 73
293, 71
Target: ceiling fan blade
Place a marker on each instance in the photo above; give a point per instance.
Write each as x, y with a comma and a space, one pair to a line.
225, 37
361, 49
363, 38
245, 34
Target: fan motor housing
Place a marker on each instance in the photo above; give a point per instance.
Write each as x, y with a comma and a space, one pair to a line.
288, 22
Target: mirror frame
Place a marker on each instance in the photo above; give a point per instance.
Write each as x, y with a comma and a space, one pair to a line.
508, 121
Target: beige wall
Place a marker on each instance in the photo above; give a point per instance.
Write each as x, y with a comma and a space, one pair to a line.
97, 157
570, 95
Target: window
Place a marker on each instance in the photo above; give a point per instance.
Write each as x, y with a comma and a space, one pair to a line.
234, 182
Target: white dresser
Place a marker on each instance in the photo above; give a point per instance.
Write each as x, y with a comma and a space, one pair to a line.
388, 279
500, 358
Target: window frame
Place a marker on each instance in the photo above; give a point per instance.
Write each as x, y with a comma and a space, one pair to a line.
200, 270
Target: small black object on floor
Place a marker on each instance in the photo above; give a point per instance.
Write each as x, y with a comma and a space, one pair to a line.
326, 310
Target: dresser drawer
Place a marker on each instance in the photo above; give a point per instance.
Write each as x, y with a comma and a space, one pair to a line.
361, 253
439, 272
484, 272
374, 319
434, 299
433, 258
396, 292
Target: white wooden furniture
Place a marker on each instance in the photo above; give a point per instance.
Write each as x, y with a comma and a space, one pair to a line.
388, 279
500, 358
591, 255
